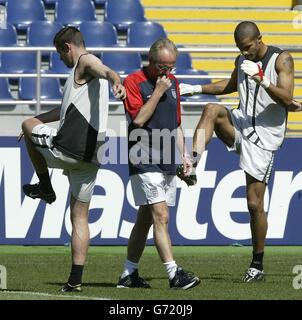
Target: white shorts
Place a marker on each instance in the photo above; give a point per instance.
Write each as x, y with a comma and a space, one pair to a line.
81, 174
153, 187
254, 160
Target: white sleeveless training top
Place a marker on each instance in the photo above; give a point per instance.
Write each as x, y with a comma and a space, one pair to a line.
83, 118
262, 120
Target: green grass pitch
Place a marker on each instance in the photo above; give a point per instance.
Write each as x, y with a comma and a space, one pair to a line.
38, 273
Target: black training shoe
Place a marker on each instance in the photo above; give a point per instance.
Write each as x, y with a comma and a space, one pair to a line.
132, 281
33, 191
69, 288
190, 180
253, 275
183, 280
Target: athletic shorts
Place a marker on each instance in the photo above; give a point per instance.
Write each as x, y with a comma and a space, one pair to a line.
81, 174
254, 160
153, 187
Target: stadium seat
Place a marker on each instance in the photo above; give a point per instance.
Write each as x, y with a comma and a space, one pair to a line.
74, 12
41, 33
50, 89
8, 36
50, 2
18, 62
123, 13
5, 93
183, 61
98, 34
143, 34
122, 62
56, 65
23, 13
100, 2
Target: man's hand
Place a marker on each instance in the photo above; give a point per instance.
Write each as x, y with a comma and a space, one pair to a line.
119, 91
189, 89
187, 165
163, 84
254, 70
296, 106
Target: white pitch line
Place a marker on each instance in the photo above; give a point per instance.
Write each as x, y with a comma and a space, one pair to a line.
44, 294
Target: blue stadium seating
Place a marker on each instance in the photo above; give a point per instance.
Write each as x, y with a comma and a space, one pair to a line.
183, 61
56, 65
23, 13
18, 62
122, 62
100, 1
74, 12
143, 34
99, 34
50, 89
5, 93
50, 2
123, 13
41, 33
8, 36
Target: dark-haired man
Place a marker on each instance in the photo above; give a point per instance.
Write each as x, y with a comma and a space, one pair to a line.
264, 79
76, 146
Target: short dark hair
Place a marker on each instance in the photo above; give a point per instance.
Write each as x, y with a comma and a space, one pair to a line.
69, 35
246, 29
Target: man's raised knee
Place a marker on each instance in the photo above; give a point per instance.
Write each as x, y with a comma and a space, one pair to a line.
29, 124
212, 110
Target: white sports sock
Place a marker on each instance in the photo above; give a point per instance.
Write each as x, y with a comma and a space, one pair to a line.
129, 267
171, 268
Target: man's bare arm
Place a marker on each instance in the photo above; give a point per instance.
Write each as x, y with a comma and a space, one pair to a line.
284, 89
94, 67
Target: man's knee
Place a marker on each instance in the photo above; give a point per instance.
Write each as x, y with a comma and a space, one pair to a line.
160, 216
255, 206
28, 125
212, 110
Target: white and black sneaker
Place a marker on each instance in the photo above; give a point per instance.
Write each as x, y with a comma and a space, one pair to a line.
69, 288
183, 280
253, 275
34, 191
132, 280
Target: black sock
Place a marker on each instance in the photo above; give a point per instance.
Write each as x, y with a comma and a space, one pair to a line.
195, 158
75, 274
257, 261
45, 184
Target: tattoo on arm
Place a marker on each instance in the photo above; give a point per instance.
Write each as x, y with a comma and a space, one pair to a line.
288, 63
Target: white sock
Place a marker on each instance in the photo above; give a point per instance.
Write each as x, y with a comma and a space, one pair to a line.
171, 268
129, 267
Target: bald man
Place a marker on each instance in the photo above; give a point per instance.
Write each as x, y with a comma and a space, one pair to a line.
264, 78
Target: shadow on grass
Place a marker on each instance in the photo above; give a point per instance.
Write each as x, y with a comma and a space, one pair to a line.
99, 284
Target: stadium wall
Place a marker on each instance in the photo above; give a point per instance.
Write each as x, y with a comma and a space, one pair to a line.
212, 213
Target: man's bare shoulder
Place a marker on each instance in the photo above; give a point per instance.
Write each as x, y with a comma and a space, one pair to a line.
88, 60
285, 61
